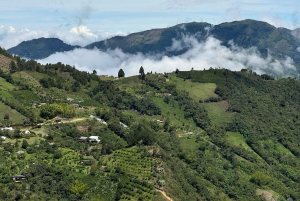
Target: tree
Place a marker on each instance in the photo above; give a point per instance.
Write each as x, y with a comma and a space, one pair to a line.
142, 73
6, 116
24, 144
177, 71
94, 72
13, 67
78, 187
121, 73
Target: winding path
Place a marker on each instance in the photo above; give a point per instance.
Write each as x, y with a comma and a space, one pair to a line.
164, 194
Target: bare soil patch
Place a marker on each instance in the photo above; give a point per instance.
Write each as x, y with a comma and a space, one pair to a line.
83, 128
269, 196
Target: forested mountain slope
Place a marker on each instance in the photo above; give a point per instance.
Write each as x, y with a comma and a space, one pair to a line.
278, 42
269, 40
40, 48
195, 135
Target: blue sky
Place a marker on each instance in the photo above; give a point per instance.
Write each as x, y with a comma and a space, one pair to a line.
99, 19
132, 15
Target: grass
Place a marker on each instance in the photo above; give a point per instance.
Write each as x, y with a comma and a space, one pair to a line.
34, 140
26, 77
176, 115
189, 143
108, 78
14, 116
25, 96
5, 95
238, 139
43, 131
5, 85
275, 147
197, 91
217, 113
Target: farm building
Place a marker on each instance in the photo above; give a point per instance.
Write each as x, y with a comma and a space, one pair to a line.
124, 125
20, 152
94, 139
82, 139
7, 129
18, 178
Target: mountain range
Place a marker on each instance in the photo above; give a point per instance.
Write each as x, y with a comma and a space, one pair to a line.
269, 40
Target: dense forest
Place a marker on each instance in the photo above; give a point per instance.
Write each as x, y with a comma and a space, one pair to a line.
193, 135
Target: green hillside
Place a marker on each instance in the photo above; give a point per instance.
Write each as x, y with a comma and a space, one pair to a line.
200, 135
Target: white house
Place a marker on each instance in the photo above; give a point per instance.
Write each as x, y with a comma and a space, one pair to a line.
7, 129
124, 125
98, 119
94, 139
20, 152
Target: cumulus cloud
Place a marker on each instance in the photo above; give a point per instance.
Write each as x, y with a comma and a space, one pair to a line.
79, 35
201, 55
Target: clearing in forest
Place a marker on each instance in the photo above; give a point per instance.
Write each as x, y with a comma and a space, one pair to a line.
197, 91
217, 112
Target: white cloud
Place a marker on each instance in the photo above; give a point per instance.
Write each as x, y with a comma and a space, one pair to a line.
81, 35
199, 56
82, 31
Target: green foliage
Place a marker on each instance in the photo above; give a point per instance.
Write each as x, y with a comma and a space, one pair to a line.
78, 187
50, 111
24, 144
260, 178
141, 133
142, 73
121, 73
244, 135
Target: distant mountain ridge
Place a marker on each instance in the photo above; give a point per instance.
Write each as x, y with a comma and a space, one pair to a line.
40, 48
278, 42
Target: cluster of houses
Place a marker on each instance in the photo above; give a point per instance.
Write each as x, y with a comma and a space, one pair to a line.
159, 121
27, 132
6, 129
104, 122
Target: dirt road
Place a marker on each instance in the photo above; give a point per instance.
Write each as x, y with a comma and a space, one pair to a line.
164, 194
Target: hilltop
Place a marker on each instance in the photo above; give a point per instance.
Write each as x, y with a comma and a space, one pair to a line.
40, 48
214, 134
